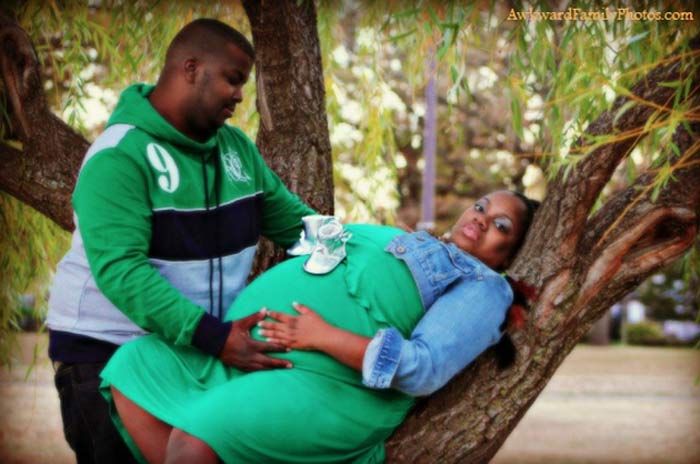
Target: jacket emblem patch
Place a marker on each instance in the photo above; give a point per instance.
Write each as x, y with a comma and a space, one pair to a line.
234, 168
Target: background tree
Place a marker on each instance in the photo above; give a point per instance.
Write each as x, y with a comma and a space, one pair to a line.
623, 196
293, 134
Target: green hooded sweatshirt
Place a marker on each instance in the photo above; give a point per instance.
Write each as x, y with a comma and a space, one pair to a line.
166, 230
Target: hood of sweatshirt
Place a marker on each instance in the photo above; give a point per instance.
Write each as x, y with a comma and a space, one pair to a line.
135, 109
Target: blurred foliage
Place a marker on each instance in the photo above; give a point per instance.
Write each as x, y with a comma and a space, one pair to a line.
647, 333
671, 293
30, 246
514, 96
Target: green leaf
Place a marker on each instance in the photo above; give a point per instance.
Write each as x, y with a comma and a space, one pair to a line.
433, 15
671, 84
568, 35
447, 41
637, 37
623, 109
652, 119
16, 144
397, 37
517, 116
630, 170
675, 149
686, 125
405, 13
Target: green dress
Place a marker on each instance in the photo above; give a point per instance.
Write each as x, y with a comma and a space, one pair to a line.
316, 412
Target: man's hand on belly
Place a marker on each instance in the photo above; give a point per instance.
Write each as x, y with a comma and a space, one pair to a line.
246, 354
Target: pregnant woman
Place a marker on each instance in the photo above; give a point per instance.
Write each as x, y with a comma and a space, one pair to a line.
397, 319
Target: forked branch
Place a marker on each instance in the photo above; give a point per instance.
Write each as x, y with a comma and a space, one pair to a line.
572, 195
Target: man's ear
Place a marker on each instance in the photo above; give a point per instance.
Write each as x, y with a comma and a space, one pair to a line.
190, 68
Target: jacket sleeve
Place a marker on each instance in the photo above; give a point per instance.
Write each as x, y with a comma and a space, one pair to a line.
113, 212
282, 210
460, 325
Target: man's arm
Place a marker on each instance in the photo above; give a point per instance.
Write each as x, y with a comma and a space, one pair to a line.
114, 217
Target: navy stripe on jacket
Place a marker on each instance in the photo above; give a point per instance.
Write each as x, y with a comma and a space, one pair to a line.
193, 235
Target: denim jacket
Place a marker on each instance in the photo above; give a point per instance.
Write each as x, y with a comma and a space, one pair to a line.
465, 301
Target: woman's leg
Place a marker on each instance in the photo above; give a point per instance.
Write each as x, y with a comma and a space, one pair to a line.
149, 433
184, 448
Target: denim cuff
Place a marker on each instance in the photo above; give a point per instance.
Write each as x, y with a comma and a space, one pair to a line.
381, 359
211, 334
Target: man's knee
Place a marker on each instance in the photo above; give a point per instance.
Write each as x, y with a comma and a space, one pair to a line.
185, 448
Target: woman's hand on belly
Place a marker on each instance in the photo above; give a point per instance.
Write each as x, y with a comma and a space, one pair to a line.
308, 331
304, 332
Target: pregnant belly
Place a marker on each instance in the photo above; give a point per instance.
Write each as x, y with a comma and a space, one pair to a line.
326, 294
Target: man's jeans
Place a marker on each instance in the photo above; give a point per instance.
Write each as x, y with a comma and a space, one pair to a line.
86, 422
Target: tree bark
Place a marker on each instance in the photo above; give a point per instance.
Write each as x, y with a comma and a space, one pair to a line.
578, 263
41, 169
293, 135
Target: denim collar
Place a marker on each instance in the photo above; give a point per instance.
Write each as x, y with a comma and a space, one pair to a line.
460, 258
464, 261
435, 264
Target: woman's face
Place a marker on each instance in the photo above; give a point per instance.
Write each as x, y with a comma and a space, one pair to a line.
490, 229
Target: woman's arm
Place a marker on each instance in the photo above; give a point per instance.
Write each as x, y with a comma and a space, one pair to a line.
462, 323
309, 331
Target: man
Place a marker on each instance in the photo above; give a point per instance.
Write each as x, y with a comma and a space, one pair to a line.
169, 205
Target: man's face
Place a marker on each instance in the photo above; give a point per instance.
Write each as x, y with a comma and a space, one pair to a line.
490, 228
217, 89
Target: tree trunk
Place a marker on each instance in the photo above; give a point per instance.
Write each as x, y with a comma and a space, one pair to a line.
578, 263
293, 134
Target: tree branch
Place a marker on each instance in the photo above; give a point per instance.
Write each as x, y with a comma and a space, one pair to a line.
632, 236
571, 196
43, 174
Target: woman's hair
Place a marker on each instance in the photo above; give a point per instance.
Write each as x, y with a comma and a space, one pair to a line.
505, 349
530, 210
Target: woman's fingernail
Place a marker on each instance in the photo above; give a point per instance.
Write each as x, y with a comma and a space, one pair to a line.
295, 303
289, 366
288, 350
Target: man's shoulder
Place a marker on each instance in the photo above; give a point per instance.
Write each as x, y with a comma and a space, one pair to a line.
122, 138
112, 137
116, 145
